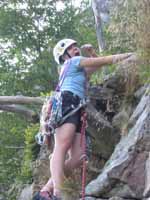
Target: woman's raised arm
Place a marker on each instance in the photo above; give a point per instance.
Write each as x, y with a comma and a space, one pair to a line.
99, 62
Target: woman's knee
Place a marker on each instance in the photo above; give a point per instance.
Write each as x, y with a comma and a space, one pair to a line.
61, 147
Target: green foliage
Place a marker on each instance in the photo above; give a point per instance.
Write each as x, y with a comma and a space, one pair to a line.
99, 77
85, 29
11, 148
26, 52
142, 37
30, 152
27, 36
120, 31
129, 25
129, 30
71, 186
144, 73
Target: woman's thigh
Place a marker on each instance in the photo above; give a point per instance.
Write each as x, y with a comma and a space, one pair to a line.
64, 135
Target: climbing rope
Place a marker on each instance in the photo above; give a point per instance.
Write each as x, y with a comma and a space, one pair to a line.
83, 145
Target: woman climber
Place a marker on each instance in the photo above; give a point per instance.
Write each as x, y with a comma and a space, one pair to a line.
75, 69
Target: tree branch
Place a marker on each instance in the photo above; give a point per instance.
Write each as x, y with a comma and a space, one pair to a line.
12, 147
21, 100
27, 113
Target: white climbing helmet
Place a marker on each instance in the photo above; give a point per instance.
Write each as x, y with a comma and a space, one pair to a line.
60, 48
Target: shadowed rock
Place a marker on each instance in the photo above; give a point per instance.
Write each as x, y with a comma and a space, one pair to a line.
126, 173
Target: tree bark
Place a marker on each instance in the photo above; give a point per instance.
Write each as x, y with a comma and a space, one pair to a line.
27, 113
98, 23
21, 100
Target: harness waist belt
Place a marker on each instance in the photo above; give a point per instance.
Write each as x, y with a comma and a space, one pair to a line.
65, 92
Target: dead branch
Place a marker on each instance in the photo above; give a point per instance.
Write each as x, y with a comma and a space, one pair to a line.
27, 113
21, 100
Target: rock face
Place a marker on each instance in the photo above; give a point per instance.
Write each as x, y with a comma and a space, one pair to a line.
126, 174
41, 172
119, 132
26, 193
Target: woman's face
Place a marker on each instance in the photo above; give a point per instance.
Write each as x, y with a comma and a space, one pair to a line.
73, 50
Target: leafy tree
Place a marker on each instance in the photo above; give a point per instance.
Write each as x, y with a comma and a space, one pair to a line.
28, 31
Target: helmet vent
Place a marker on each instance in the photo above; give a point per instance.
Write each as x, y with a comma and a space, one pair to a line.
62, 44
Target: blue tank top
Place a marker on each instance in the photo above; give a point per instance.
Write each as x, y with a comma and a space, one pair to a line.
74, 77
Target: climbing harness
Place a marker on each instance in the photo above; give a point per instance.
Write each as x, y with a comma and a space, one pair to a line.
49, 124
83, 145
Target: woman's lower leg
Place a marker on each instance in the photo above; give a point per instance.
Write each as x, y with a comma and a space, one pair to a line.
57, 170
72, 162
63, 140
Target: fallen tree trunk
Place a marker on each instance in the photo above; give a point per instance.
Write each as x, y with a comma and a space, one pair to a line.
29, 114
20, 100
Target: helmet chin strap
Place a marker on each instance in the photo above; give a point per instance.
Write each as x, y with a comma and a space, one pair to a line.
69, 54
63, 60
66, 52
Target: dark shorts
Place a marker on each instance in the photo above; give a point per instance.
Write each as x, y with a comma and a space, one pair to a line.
69, 102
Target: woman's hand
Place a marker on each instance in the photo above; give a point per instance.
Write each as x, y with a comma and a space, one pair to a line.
88, 50
120, 57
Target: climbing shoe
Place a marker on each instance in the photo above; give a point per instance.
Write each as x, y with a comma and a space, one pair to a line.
42, 196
